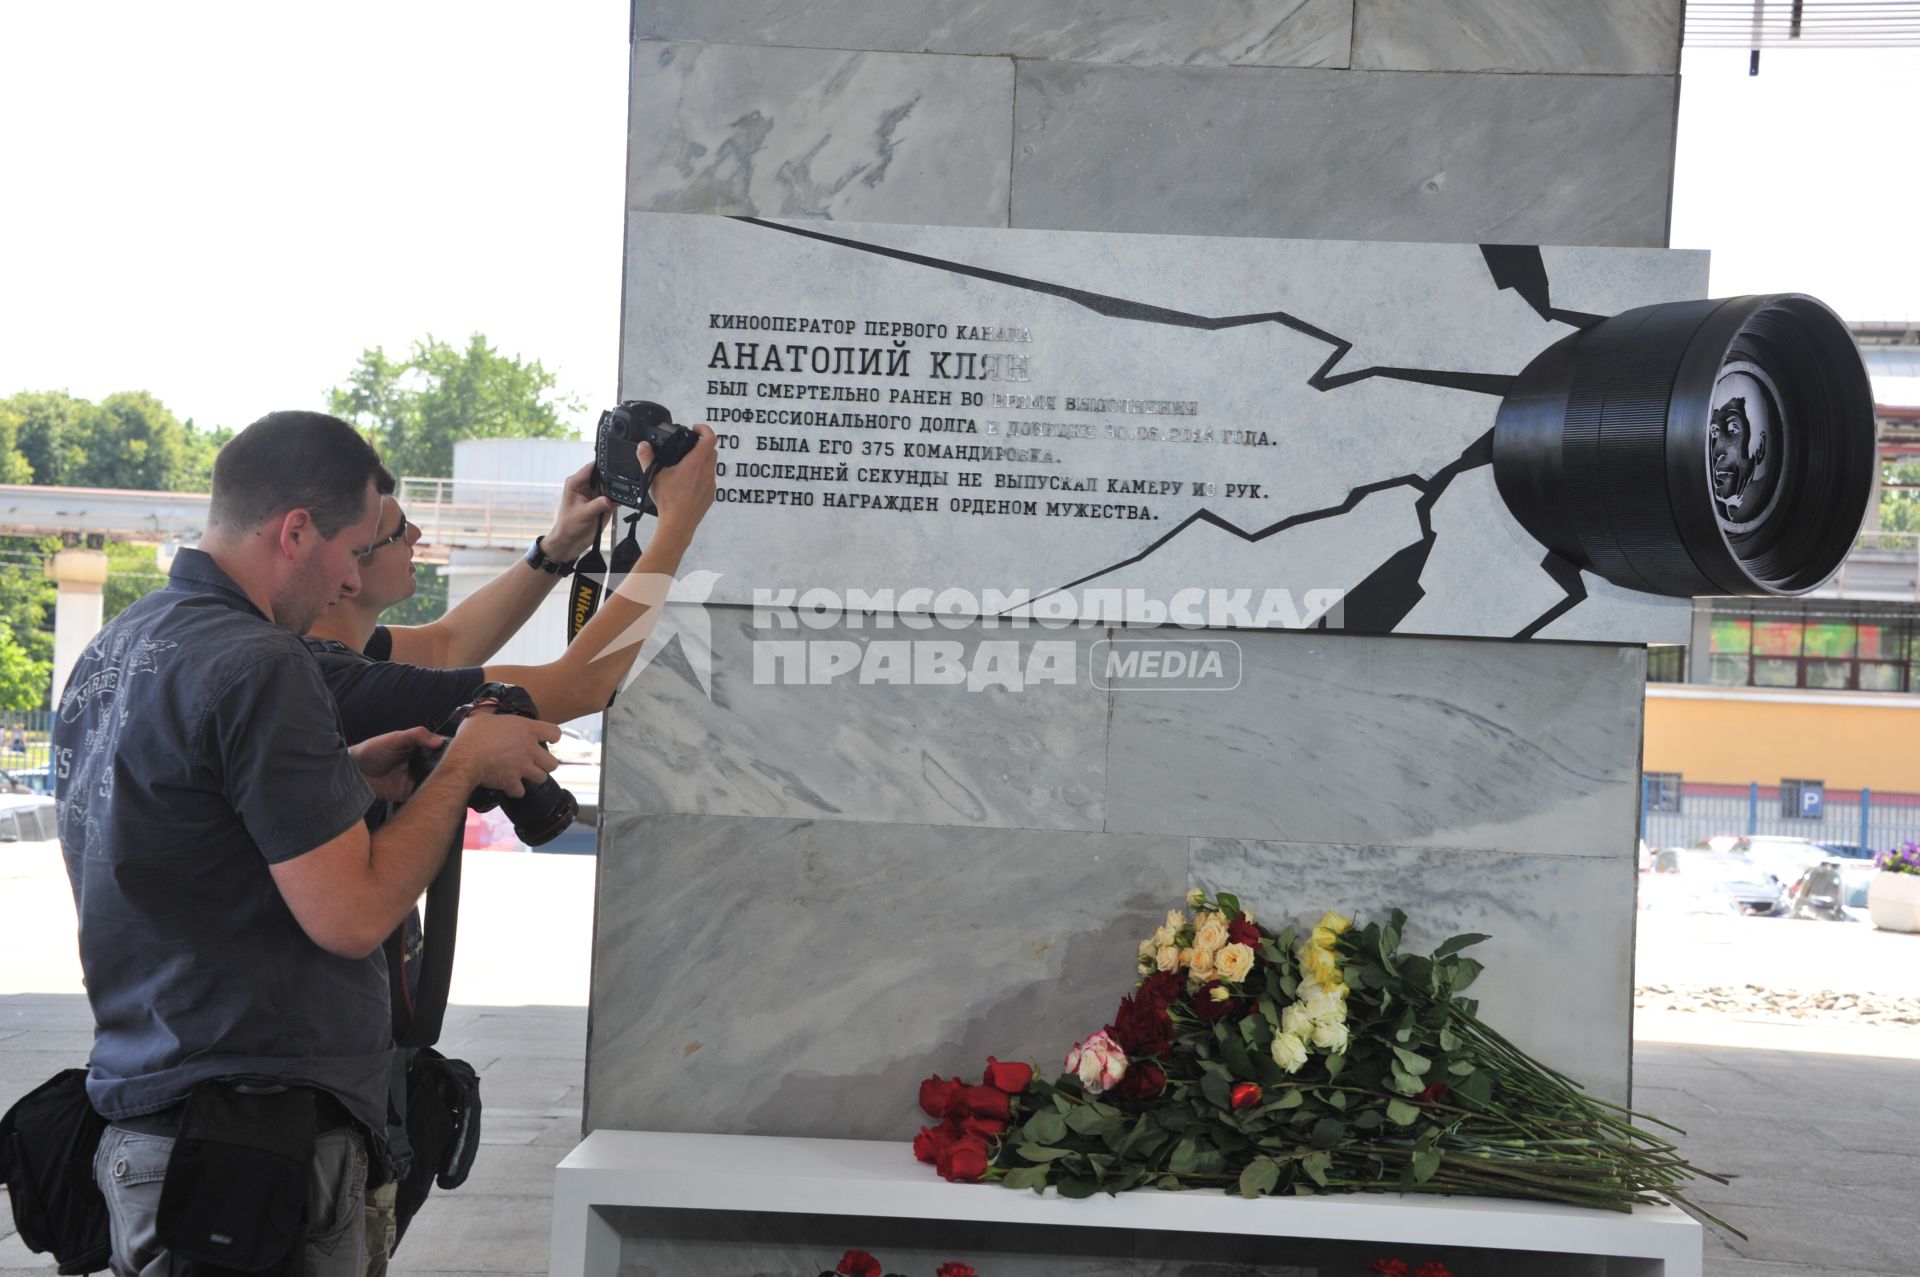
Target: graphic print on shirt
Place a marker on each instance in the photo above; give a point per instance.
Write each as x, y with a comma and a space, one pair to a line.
95, 702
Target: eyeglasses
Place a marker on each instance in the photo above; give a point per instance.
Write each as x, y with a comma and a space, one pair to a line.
366, 556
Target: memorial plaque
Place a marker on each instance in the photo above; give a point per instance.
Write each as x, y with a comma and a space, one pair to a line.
1144, 428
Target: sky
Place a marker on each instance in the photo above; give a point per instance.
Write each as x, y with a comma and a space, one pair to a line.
225, 203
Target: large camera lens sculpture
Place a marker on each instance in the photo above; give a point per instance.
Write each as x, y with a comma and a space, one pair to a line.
1695, 448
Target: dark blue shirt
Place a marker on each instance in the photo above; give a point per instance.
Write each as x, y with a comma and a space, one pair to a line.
195, 746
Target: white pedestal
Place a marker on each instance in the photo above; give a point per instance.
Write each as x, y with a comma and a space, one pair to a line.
881, 1180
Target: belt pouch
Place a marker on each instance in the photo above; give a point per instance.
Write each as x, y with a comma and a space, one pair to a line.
235, 1195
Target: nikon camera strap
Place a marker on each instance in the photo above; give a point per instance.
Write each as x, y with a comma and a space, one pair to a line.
592, 578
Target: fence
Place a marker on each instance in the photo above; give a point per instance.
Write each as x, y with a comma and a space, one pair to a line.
24, 748
1677, 815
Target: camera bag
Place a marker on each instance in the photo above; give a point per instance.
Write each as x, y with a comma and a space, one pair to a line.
235, 1196
47, 1142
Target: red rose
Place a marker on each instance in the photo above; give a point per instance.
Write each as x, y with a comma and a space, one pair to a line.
986, 1128
1245, 1095
1433, 1268
963, 1160
1206, 1008
953, 1268
1390, 1268
858, 1263
1143, 1081
937, 1094
1434, 1092
1142, 1027
988, 1101
1011, 1078
926, 1145
1242, 931
1162, 988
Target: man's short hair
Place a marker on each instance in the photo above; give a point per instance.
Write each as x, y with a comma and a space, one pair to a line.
295, 461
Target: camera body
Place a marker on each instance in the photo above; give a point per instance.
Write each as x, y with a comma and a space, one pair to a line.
543, 812
616, 467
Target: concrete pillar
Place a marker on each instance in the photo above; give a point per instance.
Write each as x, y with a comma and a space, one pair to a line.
82, 578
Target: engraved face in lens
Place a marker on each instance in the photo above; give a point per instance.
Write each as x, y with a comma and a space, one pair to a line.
1737, 449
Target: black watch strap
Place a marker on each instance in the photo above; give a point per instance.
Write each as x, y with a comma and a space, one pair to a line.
536, 557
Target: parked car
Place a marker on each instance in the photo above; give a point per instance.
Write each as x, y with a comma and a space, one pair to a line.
1752, 888
1846, 851
27, 818
1716, 842
1784, 857
1835, 891
1676, 893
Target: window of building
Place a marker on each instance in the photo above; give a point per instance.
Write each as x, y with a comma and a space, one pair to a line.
1815, 645
1663, 791
1666, 663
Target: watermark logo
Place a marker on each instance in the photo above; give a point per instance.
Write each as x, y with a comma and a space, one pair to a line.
676, 608
1164, 665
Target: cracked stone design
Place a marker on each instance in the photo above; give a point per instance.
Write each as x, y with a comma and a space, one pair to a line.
1247, 339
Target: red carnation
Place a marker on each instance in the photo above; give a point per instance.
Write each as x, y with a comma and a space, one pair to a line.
1143, 1081
1142, 1027
937, 1095
1433, 1268
1434, 1092
953, 1268
1246, 1095
1243, 931
1206, 1008
1390, 1268
963, 1160
858, 1263
1011, 1078
988, 1101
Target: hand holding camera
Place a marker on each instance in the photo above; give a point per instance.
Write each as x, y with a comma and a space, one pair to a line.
640, 454
504, 744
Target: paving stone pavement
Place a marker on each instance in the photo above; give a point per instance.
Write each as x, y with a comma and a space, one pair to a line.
1822, 1150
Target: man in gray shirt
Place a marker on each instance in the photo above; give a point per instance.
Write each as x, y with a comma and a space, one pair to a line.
232, 902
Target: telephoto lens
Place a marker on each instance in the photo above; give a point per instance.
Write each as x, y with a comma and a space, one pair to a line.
539, 815
1720, 447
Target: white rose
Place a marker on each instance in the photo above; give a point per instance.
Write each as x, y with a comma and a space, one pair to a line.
1168, 958
1330, 1035
1325, 1008
1194, 897
1175, 920
1295, 1020
1289, 1052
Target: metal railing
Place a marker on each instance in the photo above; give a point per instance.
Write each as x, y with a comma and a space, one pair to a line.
462, 514
1876, 819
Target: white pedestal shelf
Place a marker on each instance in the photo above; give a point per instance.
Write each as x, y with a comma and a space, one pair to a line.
881, 1180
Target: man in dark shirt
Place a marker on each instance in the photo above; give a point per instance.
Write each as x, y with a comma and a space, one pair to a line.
231, 901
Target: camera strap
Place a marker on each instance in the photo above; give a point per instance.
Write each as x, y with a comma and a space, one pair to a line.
592, 577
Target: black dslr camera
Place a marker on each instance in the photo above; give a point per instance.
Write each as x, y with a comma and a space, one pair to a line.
543, 812
617, 471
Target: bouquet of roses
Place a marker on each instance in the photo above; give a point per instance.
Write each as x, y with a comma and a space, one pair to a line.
1328, 1061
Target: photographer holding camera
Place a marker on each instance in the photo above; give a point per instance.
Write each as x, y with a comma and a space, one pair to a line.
232, 901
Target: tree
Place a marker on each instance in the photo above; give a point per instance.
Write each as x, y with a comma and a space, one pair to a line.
127, 440
35, 430
415, 410
23, 679
1900, 507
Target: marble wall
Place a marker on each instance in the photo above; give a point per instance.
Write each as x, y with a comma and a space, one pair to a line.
1522, 122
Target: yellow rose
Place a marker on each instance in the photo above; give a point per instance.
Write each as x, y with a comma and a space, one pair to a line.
1175, 920
1168, 958
1211, 936
1330, 1035
1148, 948
1194, 897
1322, 939
1336, 923
1289, 1052
1321, 966
1246, 913
1220, 993
1234, 962
1296, 1021
1200, 965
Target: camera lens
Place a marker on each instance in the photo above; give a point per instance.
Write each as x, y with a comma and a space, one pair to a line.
542, 814
1695, 448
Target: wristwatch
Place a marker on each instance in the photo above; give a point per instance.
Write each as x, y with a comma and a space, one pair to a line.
537, 558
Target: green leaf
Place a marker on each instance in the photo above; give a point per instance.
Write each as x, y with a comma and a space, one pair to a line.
1235, 1052
1229, 904
1476, 1086
1085, 1121
1034, 1177
1218, 1090
1045, 1127
1460, 1068
1262, 1175
1404, 1082
1185, 1154
1336, 1064
1425, 1162
1338, 1099
1316, 1166
1256, 1033
1401, 1113
1412, 1063
1076, 1188
1288, 1100
1041, 1153
1327, 1132
1449, 1040
1457, 943
1368, 1120
1464, 972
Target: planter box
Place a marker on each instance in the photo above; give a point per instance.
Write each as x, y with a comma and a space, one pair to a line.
1893, 901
